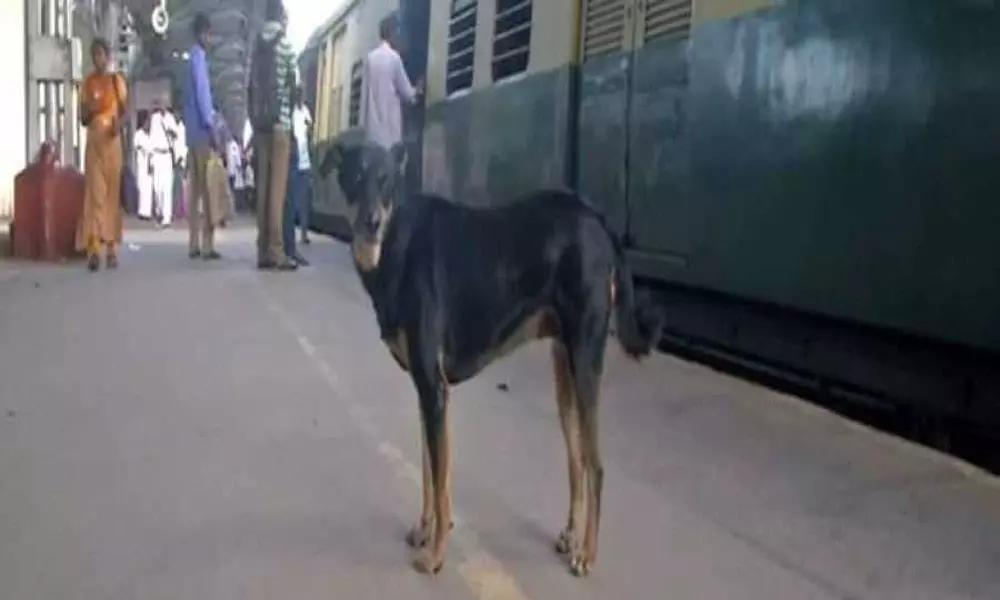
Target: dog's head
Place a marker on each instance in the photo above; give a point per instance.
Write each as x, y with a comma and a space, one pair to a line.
370, 177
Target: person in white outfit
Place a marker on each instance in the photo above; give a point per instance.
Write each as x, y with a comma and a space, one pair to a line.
143, 165
249, 194
300, 174
234, 168
180, 149
247, 136
386, 87
162, 133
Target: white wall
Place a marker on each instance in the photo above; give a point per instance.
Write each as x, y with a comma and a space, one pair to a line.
12, 77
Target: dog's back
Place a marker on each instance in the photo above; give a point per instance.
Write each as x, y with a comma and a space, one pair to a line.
496, 278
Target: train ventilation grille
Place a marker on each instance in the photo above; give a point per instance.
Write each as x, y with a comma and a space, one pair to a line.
511, 38
461, 45
603, 27
354, 102
667, 19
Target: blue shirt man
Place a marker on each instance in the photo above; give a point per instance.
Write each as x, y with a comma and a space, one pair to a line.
204, 210
198, 103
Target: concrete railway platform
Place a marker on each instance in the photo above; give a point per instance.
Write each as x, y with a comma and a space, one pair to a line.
179, 430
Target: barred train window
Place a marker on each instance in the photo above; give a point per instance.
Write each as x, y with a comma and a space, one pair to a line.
667, 19
335, 108
74, 107
354, 109
461, 45
43, 112
60, 114
511, 38
603, 27
46, 21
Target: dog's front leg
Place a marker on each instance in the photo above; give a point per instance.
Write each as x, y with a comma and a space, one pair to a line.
421, 533
433, 392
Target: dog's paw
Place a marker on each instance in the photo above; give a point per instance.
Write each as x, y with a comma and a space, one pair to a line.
419, 535
566, 543
426, 563
579, 565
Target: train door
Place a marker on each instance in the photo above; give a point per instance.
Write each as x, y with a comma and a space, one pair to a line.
414, 21
632, 131
661, 220
606, 33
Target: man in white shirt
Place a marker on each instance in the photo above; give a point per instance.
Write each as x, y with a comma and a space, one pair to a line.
162, 133
386, 86
234, 168
143, 166
300, 180
249, 199
180, 149
247, 136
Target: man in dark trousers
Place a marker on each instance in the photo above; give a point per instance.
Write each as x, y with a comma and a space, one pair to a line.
270, 101
200, 138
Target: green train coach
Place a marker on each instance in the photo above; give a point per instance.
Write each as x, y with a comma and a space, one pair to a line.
811, 187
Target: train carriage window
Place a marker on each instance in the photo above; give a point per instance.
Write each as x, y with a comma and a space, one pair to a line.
335, 96
667, 19
603, 27
461, 45
354, 109
322, 85
334, 111
511, 38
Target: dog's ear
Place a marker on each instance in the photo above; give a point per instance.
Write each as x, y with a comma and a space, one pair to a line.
333, 159
399, 157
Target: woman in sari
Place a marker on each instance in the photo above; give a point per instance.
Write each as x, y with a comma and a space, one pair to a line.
103, 100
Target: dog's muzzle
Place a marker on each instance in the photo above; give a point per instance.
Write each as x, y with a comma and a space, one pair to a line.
372, 224
367, 253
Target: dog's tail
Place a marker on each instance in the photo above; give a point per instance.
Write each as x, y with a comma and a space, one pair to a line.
638, 322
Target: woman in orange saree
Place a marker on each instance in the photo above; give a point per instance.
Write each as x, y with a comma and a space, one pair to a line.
103, 100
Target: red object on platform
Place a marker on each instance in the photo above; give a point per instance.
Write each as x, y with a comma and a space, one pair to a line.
48, 201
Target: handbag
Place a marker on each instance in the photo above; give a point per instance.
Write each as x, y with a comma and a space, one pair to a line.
129, 189
129, 196
219, 204
171, 141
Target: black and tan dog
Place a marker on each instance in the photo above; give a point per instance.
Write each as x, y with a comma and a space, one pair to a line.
456, 288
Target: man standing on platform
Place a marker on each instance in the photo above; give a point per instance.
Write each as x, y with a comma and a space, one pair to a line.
299, 180
385, 84
180, 165
198, 115
162, 133
272, 76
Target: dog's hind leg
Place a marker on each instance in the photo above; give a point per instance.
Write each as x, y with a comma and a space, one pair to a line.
420, 533
433, 391
588, 364
568, 541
